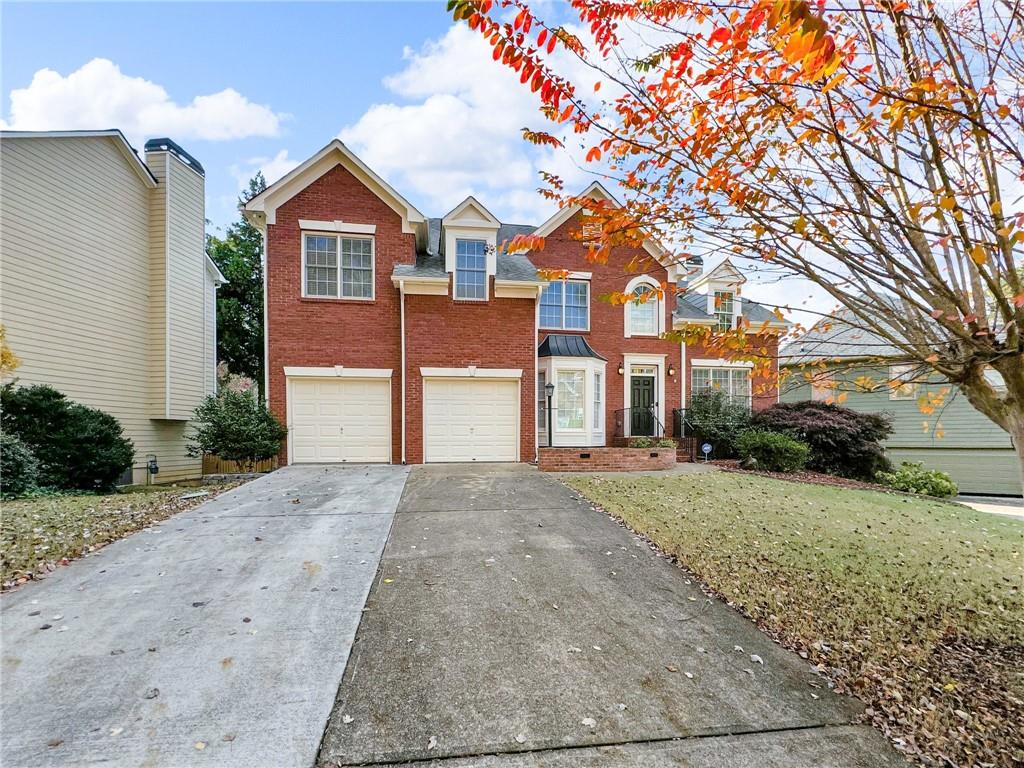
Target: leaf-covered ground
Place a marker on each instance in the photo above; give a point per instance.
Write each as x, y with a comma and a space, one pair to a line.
38, 534
915, 606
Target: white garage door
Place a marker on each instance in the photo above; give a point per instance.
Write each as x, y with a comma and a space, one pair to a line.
336, 420
470, 419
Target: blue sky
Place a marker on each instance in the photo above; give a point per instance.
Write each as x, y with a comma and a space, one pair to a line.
416, 97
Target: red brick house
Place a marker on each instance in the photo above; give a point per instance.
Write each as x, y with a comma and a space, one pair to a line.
393, 337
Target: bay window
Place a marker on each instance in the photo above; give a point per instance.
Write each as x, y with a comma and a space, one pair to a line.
570, 394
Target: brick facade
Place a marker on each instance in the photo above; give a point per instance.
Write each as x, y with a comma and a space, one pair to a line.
328, 332
606, 459
444, 333
607, 322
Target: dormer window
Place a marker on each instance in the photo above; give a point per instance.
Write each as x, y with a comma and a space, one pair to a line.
724, 310
471, 269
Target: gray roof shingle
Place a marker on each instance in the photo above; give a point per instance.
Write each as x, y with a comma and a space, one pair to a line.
515, 267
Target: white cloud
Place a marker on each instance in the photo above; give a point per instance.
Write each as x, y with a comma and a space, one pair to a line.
273, 168
459, 132
99, 95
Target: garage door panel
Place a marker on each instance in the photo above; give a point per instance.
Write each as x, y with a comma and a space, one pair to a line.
470, 420
339, 420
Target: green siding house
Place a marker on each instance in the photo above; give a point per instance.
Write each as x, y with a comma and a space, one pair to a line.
952, 437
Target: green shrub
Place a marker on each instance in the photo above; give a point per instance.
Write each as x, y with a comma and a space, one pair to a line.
641, 442
712, 418
772, 451
912, 477
843, 442
19, 468
78, 448
236, 426
665, 442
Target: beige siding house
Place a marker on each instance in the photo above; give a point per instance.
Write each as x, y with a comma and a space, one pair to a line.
106, 291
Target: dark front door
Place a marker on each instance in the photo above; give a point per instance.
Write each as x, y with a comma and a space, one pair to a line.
641, 401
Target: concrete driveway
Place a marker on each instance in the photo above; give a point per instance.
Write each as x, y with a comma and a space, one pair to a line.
513, 625
217, 638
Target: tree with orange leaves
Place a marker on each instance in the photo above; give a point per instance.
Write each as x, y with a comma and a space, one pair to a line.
872, 147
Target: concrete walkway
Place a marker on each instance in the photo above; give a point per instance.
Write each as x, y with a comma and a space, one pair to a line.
217, 638
513, 625
994, 505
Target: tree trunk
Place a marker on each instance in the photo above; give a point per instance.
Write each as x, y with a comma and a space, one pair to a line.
1016, 429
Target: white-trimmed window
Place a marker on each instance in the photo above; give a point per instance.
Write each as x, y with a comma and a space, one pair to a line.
542, 404
598, 405
643, 311
901, 382
571, 398
724, 310
734, 382
337, 266
470, 269
823, 388
565, 305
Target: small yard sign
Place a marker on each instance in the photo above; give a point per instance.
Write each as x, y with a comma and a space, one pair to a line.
706, 449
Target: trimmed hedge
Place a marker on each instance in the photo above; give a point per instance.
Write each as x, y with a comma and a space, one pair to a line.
842, 442
772, 451
912, 477
19, 468
78, 448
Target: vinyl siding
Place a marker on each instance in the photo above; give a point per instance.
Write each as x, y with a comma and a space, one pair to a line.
960, 440
76, 244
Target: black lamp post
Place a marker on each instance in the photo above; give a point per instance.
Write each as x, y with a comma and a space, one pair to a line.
549, 390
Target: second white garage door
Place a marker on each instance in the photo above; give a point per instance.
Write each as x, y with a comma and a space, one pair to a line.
470, 419
340, 420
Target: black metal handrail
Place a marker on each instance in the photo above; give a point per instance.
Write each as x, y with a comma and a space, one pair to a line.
638, 422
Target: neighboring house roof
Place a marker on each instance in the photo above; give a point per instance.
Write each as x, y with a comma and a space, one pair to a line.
218, 276
112, 133
724, 272
833, 338
566, 345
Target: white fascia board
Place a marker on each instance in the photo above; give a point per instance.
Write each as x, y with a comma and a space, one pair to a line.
338, 226
218, 276
338, 371
720, 363
455, 215
472, 372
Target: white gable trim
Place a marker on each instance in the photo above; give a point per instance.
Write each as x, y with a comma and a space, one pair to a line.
456, 215
724, 274
269, 200
598, 192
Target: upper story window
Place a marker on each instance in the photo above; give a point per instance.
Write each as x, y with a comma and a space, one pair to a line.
902, 384
643, 312
724, 309
470, 269
337, 266
565, 304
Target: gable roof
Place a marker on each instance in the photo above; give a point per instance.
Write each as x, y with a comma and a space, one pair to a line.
725, 272
691, 309
457, 215
836, 337
266, 203
114, 134
597, 191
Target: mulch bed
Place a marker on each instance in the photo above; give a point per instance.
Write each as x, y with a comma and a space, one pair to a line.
804, 476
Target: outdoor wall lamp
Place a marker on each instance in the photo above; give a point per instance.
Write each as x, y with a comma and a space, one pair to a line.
621, 369
671, 370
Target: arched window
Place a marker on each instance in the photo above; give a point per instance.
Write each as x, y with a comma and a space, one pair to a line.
643, 311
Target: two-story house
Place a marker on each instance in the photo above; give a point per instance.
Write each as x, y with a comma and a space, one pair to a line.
394, 337
108, 294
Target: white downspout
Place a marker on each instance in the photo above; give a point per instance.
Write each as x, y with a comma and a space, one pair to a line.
266, 318
682, 375
536, 370
401, 302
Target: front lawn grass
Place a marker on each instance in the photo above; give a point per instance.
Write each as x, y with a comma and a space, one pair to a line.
913, 605
36, 534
